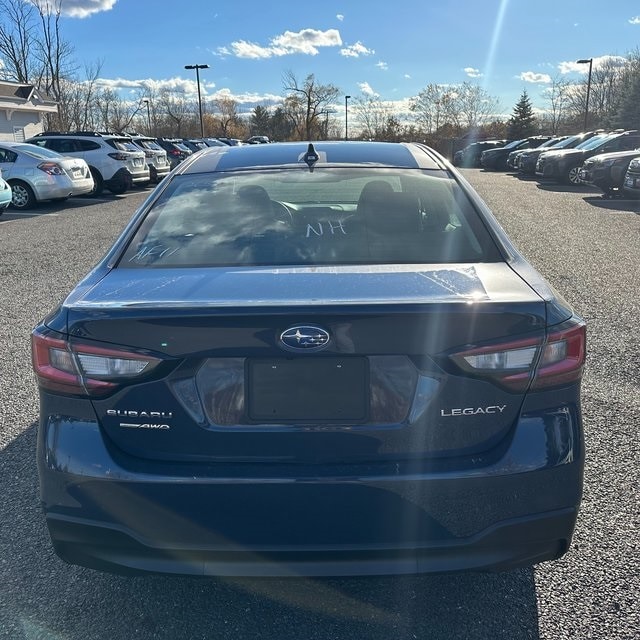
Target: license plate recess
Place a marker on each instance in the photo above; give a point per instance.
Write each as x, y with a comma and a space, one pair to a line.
308, 390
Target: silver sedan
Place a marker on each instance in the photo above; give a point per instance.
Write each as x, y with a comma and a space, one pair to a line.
36, 174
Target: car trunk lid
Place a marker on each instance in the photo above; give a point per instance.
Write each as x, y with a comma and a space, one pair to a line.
235, 386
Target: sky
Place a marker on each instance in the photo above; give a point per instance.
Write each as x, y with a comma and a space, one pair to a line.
390, 49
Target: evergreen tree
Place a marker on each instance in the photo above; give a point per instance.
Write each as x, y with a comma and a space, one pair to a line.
628, 114
260, 120
522, 122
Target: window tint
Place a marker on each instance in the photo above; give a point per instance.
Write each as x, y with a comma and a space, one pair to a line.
6, 155
87, 145
298, 217
149, 144
122, 145
62, 145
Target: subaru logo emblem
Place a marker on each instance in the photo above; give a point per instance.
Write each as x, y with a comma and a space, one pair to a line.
304, 338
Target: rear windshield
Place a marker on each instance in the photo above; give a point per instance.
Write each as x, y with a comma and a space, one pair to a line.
37, 152
122, 145
149, 144
298, 217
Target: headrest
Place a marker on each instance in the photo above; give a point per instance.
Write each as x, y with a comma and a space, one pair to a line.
394, 212
373, 191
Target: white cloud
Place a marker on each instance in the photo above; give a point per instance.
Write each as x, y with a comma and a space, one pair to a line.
635, 20
77, 8
340, 17
181, 85
247, 99
407, 76
365, 87
190, 90
382, 65
536, 78
573, 67
244, 49
306, 41
356, 50
473, 73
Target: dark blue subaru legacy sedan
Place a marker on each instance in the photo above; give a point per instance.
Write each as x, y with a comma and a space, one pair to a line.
311, 359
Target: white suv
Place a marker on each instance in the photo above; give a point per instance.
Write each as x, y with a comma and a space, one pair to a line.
112, 162
156, 156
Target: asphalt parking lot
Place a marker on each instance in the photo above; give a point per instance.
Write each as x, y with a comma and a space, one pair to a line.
587, 247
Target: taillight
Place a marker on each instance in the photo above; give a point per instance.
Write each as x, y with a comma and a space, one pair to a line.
556, 360
80, 369
51, 168
175, 152
562, 357
119, 156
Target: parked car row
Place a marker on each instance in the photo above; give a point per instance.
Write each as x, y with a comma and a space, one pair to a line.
57, 165
470, 155
609, 160
527, 160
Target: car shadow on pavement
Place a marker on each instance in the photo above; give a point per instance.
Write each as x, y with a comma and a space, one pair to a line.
42, 208
44, 598
615, 204
566, 188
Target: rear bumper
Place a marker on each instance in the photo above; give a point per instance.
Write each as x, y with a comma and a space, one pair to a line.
113, 512
125, 178
156, 173
504, 546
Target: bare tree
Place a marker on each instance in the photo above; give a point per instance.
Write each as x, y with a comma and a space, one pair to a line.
18, 39
306, 103
52, 52
116, 114
558, 95
226, 115
433, 106
372, 115
605, 91
177, 110
473, 107
77, 102
465, 106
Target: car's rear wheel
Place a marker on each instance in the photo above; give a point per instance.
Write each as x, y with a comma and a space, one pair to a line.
98, 183
118, 189
22, 195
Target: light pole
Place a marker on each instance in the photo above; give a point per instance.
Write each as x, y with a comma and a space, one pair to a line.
586, 106
346, 117
146, 101
197, 67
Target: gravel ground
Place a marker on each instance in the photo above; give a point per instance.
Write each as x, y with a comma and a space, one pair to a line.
586, 247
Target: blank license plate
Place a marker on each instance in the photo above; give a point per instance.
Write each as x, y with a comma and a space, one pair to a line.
323, 389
